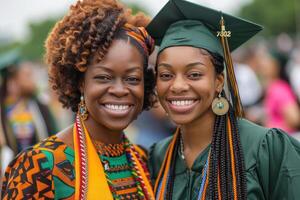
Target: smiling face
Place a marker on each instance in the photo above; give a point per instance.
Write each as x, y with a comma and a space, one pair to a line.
187, 83
114, 88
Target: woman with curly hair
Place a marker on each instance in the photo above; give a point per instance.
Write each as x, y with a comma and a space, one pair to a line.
97, 56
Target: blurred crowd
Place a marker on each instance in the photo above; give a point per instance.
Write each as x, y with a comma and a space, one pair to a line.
268, 75
268, 78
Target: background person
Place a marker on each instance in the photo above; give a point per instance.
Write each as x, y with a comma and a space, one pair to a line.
25, 120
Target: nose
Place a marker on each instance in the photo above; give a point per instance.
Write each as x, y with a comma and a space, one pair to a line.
118, 89
179, 85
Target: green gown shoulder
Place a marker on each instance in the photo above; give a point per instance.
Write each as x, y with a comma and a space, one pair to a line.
272, 162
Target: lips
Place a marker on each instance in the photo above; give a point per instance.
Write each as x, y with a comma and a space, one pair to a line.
182, 105
117, 109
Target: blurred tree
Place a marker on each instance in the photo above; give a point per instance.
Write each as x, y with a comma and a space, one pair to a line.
10, 46
276, 16
136, 8
33, 48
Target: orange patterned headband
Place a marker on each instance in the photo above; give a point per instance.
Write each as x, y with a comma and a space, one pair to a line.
140, 35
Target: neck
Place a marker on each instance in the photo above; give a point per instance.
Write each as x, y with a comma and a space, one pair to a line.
196, 137
101, 133
198, 134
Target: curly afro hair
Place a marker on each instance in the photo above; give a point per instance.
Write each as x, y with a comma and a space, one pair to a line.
86, 33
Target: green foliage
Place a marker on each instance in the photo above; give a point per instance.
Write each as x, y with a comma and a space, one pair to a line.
10, 46
136, 8
33, 49
276, 16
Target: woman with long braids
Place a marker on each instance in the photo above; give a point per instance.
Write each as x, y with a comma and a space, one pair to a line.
97, 56
215, 153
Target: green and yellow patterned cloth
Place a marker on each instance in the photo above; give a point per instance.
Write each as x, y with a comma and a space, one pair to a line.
46, 171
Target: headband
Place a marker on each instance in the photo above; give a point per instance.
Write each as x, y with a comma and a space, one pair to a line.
141, 36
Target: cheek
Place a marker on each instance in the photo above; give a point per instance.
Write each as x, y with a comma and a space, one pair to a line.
138, 93
161, 88
93, 92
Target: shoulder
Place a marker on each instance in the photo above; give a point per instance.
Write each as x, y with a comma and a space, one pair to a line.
156, 155
259, 143
251, 131
251, 137
34, 169
38, 155
254, 133
29, 168
158, 150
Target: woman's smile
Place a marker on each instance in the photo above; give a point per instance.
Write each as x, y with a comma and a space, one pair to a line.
182, 106
117, 109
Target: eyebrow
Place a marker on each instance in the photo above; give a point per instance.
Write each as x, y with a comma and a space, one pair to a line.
190, 65
135, 68
103, 67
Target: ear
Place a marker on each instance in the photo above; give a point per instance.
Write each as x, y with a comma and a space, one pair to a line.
219, 82
81, 86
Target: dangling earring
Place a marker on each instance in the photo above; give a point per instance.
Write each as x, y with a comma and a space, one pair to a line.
82, 110
220, 105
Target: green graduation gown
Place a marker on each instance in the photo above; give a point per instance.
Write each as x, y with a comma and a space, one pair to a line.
272, 161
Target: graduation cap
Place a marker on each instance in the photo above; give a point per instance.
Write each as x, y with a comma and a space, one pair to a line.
8, 59
182, 23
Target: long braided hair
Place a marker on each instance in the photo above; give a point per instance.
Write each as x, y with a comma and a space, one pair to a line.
227, 178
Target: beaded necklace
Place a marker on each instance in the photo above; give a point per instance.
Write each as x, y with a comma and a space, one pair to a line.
138, 168
117, 150
109, 150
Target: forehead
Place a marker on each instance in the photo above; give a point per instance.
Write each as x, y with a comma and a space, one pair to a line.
183, 54
121, 55
120, 50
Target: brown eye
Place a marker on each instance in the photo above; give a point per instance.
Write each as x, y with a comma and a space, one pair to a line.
133, 80
103, 78
165, 76
194, 75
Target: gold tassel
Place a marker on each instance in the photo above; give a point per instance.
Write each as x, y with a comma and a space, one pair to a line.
231, 80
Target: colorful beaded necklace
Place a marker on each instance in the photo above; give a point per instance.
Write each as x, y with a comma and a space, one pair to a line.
88, 166
109, 150
117, 150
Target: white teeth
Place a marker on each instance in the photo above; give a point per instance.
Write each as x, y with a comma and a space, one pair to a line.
182, 102
117, 107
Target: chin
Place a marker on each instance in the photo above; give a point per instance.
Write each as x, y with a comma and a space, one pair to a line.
180, 120
117, 126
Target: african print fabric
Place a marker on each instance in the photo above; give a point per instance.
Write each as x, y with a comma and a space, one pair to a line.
46, 171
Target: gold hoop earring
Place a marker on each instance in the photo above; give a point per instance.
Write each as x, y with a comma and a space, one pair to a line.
220, 105
82, 109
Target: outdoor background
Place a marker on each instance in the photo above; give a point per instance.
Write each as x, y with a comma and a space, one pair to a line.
24, 24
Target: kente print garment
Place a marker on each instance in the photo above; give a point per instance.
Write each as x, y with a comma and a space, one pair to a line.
46, 171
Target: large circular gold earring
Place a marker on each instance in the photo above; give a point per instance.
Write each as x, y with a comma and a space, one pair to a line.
220, 105
82, 109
